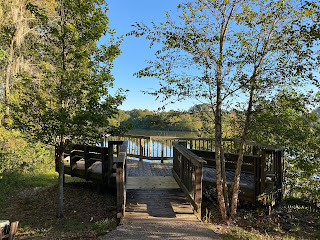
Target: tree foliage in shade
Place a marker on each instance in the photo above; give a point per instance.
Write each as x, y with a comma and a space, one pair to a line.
224, 51
68, 101
287, 120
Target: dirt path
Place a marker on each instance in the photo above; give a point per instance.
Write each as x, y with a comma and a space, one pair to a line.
162, 230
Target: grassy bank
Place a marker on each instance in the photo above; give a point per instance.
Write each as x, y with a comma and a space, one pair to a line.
31, 198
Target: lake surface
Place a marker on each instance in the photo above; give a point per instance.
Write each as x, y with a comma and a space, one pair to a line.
162, 133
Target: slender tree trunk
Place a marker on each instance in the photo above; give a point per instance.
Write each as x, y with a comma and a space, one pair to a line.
61, 178
236, 183
62, 140
224, 180
218, 142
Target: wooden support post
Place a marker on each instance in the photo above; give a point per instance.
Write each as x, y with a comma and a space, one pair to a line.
110, 163
118, 149
280, 175
150, 147
198, 190
87, 162
162, 148
181, 158
141, 148
263, 172
73, 162
120, 177
104, 164
257, 177
102, 141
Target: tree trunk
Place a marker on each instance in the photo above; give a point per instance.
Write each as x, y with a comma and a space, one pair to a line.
61, 179
224, 180
218, 143
236, 183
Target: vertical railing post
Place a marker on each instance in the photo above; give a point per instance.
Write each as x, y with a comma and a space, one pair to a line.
162, 148
110, 162
73, 162
87, 163
150, 147
102, 141
280, 175
198, 189
104, 162
141, 143
118, 149
263, 170
120, 178
257, 177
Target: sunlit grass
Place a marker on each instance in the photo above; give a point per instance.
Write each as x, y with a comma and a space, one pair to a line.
105, 226
16, 181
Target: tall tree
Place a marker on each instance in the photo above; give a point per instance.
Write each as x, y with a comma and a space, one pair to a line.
200, 41
273, 59
69, 100
18, 31
219, 50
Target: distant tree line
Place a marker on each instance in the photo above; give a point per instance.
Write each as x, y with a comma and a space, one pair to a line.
192, 120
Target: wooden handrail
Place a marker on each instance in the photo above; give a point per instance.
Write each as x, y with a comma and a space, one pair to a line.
197, 161
188, 172
120, 162
160, 147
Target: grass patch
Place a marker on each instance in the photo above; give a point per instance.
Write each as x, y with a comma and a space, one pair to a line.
32, 198
16, 181
104, 226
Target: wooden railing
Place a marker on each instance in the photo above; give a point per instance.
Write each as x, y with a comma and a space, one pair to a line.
187, 171
266, 169
83, 158
265, 162
161, 148
121, 180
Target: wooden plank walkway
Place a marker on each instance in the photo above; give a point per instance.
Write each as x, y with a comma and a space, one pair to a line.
154, 196
157, 208
141, 168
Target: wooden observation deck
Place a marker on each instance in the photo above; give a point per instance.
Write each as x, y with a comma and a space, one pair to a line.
165, 189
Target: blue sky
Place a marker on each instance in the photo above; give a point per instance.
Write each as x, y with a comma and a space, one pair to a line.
135, 51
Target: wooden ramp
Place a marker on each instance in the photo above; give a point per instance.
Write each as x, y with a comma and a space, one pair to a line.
155, 197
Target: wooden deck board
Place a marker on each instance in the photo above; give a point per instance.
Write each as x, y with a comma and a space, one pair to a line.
137, 168
142, 168
154, 182
158, 205
246, 180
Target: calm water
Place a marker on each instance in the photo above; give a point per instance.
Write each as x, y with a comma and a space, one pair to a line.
163, 133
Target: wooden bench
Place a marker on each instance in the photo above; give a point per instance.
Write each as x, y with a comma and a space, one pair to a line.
8, 233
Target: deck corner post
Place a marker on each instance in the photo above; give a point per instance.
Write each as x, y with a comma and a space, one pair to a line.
110, 163
120, 180
104, 162
86, 162
263, 171
198, 189
256, 177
